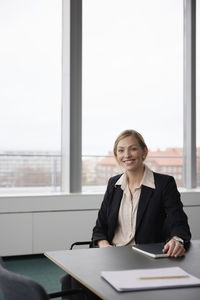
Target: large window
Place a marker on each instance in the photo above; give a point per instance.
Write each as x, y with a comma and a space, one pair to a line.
132, 78
122, 66
30, 93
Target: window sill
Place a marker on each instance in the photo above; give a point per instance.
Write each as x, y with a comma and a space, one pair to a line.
69, 202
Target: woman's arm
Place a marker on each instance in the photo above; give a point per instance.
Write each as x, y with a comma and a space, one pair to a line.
101, 227
177, 221
108, 212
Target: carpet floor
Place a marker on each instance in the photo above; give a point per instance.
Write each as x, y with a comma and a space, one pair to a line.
39, 268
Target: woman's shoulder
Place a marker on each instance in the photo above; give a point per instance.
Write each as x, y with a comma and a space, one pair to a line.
161, 178
114, 179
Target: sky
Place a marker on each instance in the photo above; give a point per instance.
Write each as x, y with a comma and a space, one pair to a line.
30, 75
132, 73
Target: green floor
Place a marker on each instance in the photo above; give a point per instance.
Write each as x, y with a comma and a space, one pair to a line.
39, 268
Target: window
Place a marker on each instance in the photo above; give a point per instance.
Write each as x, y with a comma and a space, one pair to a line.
30, 93
132, 78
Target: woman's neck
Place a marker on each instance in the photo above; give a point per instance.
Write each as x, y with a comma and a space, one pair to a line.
135, 177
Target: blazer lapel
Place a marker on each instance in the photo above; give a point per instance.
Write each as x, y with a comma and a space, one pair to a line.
115, 205
145, 196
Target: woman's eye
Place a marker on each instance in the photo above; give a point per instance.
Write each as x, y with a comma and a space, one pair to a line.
120, 150
134, 149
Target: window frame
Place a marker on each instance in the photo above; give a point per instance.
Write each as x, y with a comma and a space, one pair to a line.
71, 97
189, 95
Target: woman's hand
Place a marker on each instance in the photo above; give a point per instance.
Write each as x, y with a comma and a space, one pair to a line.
174, 248
103, 244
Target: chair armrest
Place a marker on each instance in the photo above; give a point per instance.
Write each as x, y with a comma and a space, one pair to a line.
81, 243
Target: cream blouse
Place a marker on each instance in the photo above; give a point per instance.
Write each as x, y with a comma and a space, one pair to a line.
125, 230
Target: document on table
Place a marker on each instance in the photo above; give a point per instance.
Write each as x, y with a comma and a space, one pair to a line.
142, 279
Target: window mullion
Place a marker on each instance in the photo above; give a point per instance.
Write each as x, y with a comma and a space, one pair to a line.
71, 96
189, 147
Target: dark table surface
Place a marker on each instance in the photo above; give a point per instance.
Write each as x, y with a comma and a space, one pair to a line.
86, 265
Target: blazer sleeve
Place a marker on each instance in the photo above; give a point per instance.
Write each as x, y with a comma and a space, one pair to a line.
176, 219
100, 231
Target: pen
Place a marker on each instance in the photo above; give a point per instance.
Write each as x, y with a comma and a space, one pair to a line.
163, 277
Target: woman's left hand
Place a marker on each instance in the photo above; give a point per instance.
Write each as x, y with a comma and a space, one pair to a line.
174, 248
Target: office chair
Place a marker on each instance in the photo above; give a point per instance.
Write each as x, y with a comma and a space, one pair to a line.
68, 282
18, 287
2, 262
89, 243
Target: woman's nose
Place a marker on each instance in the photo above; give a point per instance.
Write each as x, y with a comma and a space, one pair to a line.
126, 153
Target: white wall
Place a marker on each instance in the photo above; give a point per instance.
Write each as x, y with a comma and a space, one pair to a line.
35, 224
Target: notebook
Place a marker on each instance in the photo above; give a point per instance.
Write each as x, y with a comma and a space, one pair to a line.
153, 250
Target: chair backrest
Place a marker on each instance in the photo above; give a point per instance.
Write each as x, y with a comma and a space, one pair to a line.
18, 287
2, 262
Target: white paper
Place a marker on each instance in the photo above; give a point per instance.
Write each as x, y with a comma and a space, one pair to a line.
130, 279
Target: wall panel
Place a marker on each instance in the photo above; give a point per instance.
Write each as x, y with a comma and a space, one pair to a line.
58, 230
15, 234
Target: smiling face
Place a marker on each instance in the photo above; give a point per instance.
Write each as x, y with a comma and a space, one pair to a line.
130, 154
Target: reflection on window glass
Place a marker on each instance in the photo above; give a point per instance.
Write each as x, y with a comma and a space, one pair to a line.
132, 78
30, 77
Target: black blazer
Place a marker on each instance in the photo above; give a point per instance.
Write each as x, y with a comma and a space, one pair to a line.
160, 214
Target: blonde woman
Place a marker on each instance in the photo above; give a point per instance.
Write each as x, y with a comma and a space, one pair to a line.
141, 206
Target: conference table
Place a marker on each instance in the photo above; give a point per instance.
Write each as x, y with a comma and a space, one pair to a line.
85, 265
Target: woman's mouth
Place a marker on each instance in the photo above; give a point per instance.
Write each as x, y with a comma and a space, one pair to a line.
128, 161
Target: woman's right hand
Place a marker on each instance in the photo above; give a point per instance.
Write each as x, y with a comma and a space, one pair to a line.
103, 244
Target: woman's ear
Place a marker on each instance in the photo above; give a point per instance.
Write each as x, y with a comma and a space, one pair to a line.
145, 153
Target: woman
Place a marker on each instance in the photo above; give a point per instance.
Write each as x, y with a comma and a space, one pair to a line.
141, 206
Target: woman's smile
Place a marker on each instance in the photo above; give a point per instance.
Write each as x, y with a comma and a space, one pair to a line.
129, 161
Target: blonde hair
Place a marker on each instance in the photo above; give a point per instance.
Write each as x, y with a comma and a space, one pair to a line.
129, 132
